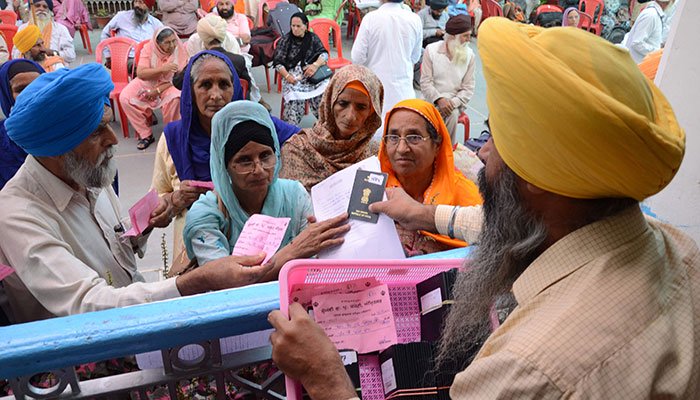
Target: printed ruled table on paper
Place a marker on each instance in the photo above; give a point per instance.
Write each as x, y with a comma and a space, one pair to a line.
360, 321
261, 233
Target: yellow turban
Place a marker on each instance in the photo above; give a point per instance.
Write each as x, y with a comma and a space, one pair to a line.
26, 38
212, 27
572, 114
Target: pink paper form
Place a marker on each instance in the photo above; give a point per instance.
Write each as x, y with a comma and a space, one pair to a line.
304, 292
261, 233
202, 184
140, 213
361, 321
5, 271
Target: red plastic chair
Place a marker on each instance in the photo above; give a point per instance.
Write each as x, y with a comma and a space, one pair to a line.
137, 56
323, 27
585, 21
271, 4
490, 8
8, 33
85, 37
594, 8
119, 48
545, 8
354, 17
244, 86
8, 17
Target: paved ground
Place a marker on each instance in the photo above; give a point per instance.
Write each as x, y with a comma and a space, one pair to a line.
135, 166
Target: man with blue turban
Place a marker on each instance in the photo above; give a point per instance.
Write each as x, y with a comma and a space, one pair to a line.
60, 224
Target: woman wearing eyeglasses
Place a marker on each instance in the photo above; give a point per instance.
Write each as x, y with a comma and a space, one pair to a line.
244, 168
416, 153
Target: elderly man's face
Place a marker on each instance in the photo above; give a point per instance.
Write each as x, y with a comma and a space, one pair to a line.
90, 164
42, 9
21, 81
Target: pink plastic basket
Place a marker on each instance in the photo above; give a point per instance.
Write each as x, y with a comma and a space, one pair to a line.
401, 276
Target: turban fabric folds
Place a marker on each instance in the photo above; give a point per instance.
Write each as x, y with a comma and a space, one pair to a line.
212, 27
48, 3
458, 24
57, 111
579, 120
26, 38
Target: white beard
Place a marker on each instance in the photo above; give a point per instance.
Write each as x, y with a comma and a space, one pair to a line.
42, 21
457, 51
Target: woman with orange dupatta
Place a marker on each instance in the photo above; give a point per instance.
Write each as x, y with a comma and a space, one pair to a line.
416, 153
152, 88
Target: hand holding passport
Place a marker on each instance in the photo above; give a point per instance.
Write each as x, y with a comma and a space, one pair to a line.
367, 189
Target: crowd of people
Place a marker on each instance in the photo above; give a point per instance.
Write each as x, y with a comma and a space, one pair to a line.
555, 215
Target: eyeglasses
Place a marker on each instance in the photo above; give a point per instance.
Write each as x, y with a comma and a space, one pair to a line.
412, 140
246, 167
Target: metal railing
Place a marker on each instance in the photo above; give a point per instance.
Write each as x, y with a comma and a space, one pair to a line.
56, 345
112, 6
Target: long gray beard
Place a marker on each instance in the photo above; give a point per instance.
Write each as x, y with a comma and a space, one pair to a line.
457, 50
88, 175
510, 240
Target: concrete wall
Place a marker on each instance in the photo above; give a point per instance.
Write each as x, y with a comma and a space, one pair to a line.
679, 79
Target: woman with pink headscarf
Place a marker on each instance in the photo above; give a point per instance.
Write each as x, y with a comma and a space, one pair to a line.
159, 60
571, 17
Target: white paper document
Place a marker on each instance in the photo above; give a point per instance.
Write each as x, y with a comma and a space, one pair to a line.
231, 344
331, 198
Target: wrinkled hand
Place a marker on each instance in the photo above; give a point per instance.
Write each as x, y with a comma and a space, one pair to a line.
320, 235
224, 273
445, 106
303, 352
403, 209
151, 94
162, 215
310, 70
439, 32
170, 67
187, 195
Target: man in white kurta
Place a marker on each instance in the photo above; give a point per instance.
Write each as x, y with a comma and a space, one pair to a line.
447, 73
646, 35
389, 43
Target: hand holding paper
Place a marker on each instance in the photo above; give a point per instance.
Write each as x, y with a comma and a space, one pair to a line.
261, 233
140, 213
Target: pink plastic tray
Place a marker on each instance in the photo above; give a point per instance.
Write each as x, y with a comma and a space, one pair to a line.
400, 275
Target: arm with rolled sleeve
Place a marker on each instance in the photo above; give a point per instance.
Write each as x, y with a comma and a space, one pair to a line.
60, 281
466, 88
467, 222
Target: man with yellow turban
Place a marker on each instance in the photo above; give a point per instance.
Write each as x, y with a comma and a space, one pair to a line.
57, 40
603, 301
29, 42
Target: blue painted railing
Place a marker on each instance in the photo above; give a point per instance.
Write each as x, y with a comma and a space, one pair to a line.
60, 342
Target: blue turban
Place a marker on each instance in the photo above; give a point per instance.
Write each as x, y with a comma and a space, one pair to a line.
57, 111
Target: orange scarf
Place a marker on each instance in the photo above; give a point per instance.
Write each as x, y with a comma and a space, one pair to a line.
46, 35
449, 186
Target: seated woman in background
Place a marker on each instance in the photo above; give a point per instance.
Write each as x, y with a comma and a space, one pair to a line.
152, 88
571, 17
416, 153
182, 156
342, 136
297, 57
244, 168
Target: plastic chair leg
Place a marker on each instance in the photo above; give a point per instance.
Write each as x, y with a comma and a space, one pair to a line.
123, 121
